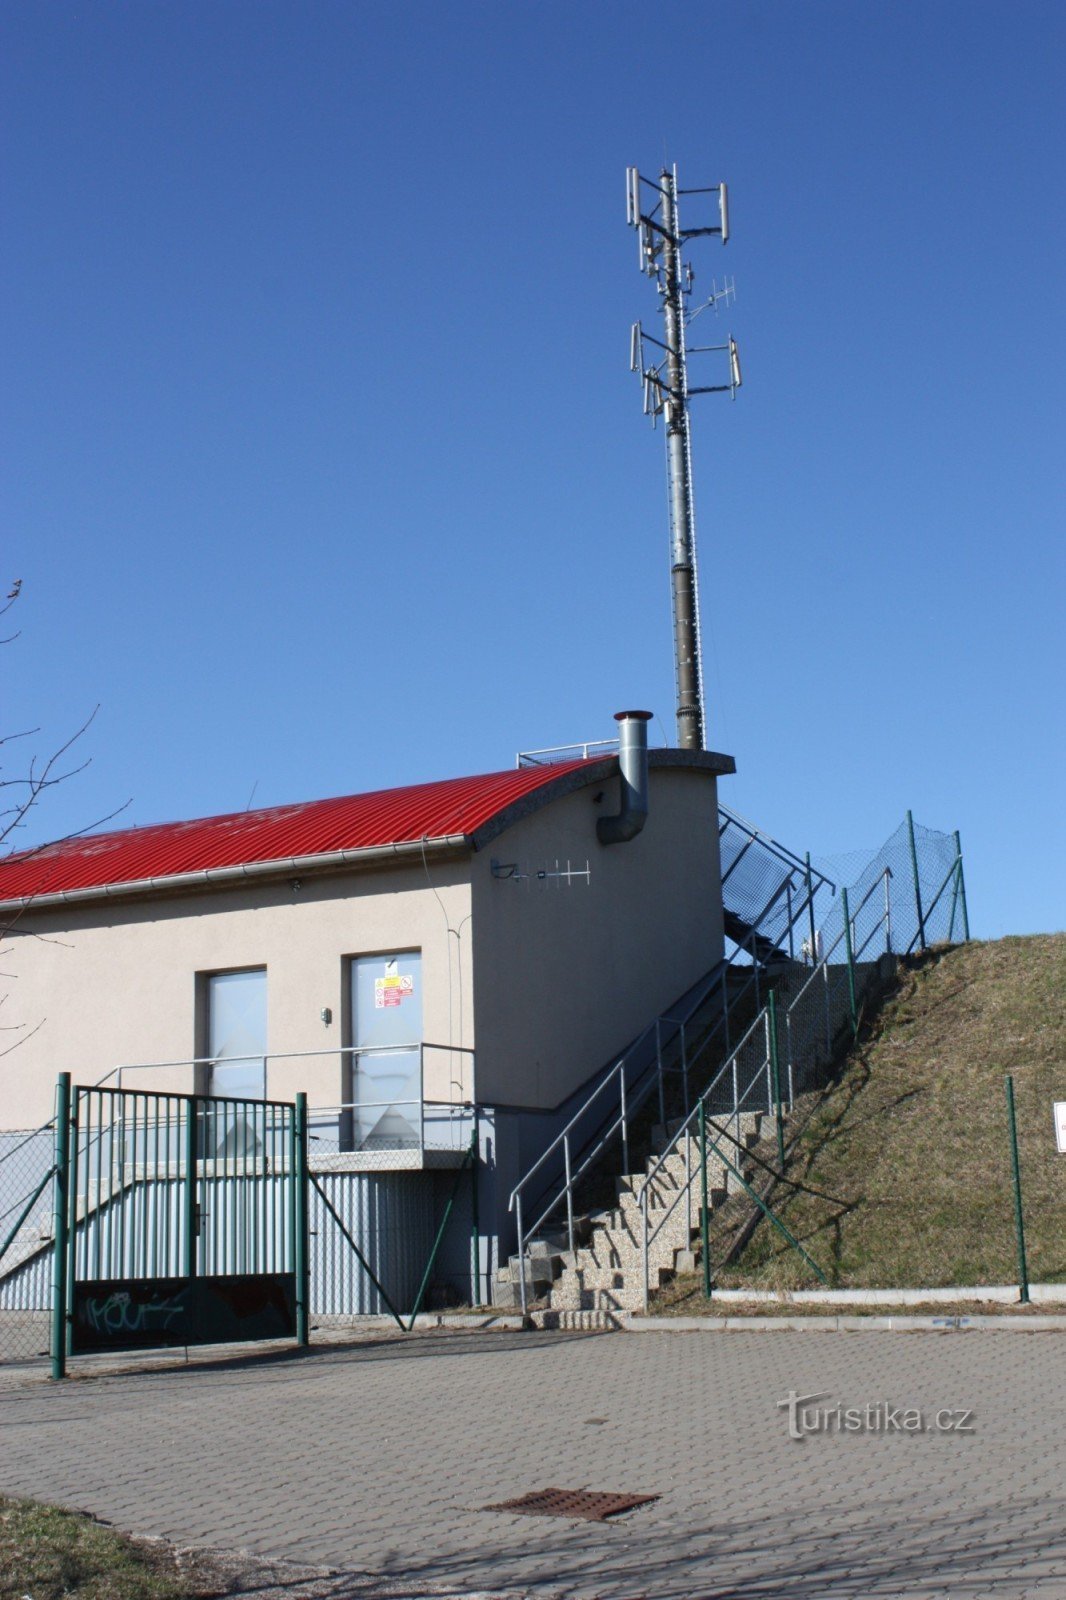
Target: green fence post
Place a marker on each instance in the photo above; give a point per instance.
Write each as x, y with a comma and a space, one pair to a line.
770, 1215
301, 1230
962, 891
1019, 1223
917, 883
475, 1212
775, 1073
853, 1004
190, 1210
954, 903
469, 1155
61, 1239
705, 1219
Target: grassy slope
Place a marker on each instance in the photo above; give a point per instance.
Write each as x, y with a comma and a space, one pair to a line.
909, 1149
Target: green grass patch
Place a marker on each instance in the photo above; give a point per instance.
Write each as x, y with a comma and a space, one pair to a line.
48, 1554
902, 1166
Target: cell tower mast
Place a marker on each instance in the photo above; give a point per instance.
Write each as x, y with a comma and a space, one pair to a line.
667, 393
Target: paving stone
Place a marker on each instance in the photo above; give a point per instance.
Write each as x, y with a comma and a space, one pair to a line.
377, 1458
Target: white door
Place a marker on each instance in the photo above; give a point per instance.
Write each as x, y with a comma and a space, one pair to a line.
236, 1043
386, 1014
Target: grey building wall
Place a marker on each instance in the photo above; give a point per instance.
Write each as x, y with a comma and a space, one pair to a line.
565, 975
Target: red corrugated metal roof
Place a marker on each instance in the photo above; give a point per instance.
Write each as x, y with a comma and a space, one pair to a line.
458, 806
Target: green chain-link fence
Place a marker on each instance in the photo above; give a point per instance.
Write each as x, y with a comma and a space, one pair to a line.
26, 1223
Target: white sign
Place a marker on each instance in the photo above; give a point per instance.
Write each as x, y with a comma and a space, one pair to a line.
1059, 1109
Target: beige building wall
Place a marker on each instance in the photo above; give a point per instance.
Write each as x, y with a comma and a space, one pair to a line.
548, 980
565, 976
116, 982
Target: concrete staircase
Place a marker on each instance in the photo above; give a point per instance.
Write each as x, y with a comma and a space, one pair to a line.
606, 1272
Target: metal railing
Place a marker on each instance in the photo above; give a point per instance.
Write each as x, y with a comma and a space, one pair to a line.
461, 1083
765, 885
553, 754
641, 1071
769, 888
335, 1129
882, 915
622, 1092
751, 1077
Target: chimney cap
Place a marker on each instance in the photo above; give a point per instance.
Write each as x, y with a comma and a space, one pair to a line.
633, 716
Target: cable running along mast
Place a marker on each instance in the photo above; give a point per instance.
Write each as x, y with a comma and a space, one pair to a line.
652, 208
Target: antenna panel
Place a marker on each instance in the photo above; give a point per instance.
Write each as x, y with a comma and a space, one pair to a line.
734, 362
723, 209
632, 196
634, 348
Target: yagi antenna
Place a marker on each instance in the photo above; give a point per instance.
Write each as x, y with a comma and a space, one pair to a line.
652, 208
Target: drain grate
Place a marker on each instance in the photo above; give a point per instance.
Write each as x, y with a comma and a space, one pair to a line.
590, 1504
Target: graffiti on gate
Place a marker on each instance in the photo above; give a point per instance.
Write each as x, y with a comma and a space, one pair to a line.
120, 1313
137, 1313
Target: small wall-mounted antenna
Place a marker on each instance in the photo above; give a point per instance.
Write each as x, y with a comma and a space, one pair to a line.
652, 208
513, 872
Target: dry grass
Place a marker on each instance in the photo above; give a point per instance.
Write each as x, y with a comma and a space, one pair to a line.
684, 1298
908, 1151
50, 1554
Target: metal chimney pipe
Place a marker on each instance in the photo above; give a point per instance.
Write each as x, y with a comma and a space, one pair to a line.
633, 770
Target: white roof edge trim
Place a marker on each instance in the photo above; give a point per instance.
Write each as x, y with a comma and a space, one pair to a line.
210, 877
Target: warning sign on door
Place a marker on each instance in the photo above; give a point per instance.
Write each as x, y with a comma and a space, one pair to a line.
391, 991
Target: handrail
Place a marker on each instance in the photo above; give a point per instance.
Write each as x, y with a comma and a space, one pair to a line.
714, 978
288, 1055
633, 1095
762, 1072
529, 757
319, 1116
775, 846
719, 1134
562, 1135
660, 1160
462, 1086
339, 1050
804, 1045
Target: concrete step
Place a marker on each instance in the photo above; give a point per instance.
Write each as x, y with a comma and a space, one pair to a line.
750, 1123
624, 1293
610, 1242
620, 1252
588, 1321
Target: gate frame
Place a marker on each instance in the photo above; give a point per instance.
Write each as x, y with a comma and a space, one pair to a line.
65, 1229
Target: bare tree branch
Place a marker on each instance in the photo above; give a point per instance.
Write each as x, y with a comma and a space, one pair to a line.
19, 794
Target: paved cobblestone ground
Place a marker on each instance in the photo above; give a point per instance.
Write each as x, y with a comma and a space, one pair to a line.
376, 1457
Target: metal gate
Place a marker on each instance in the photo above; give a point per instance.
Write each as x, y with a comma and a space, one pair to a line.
180, 1220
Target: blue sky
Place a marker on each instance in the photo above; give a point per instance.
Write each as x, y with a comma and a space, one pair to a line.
325, 471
